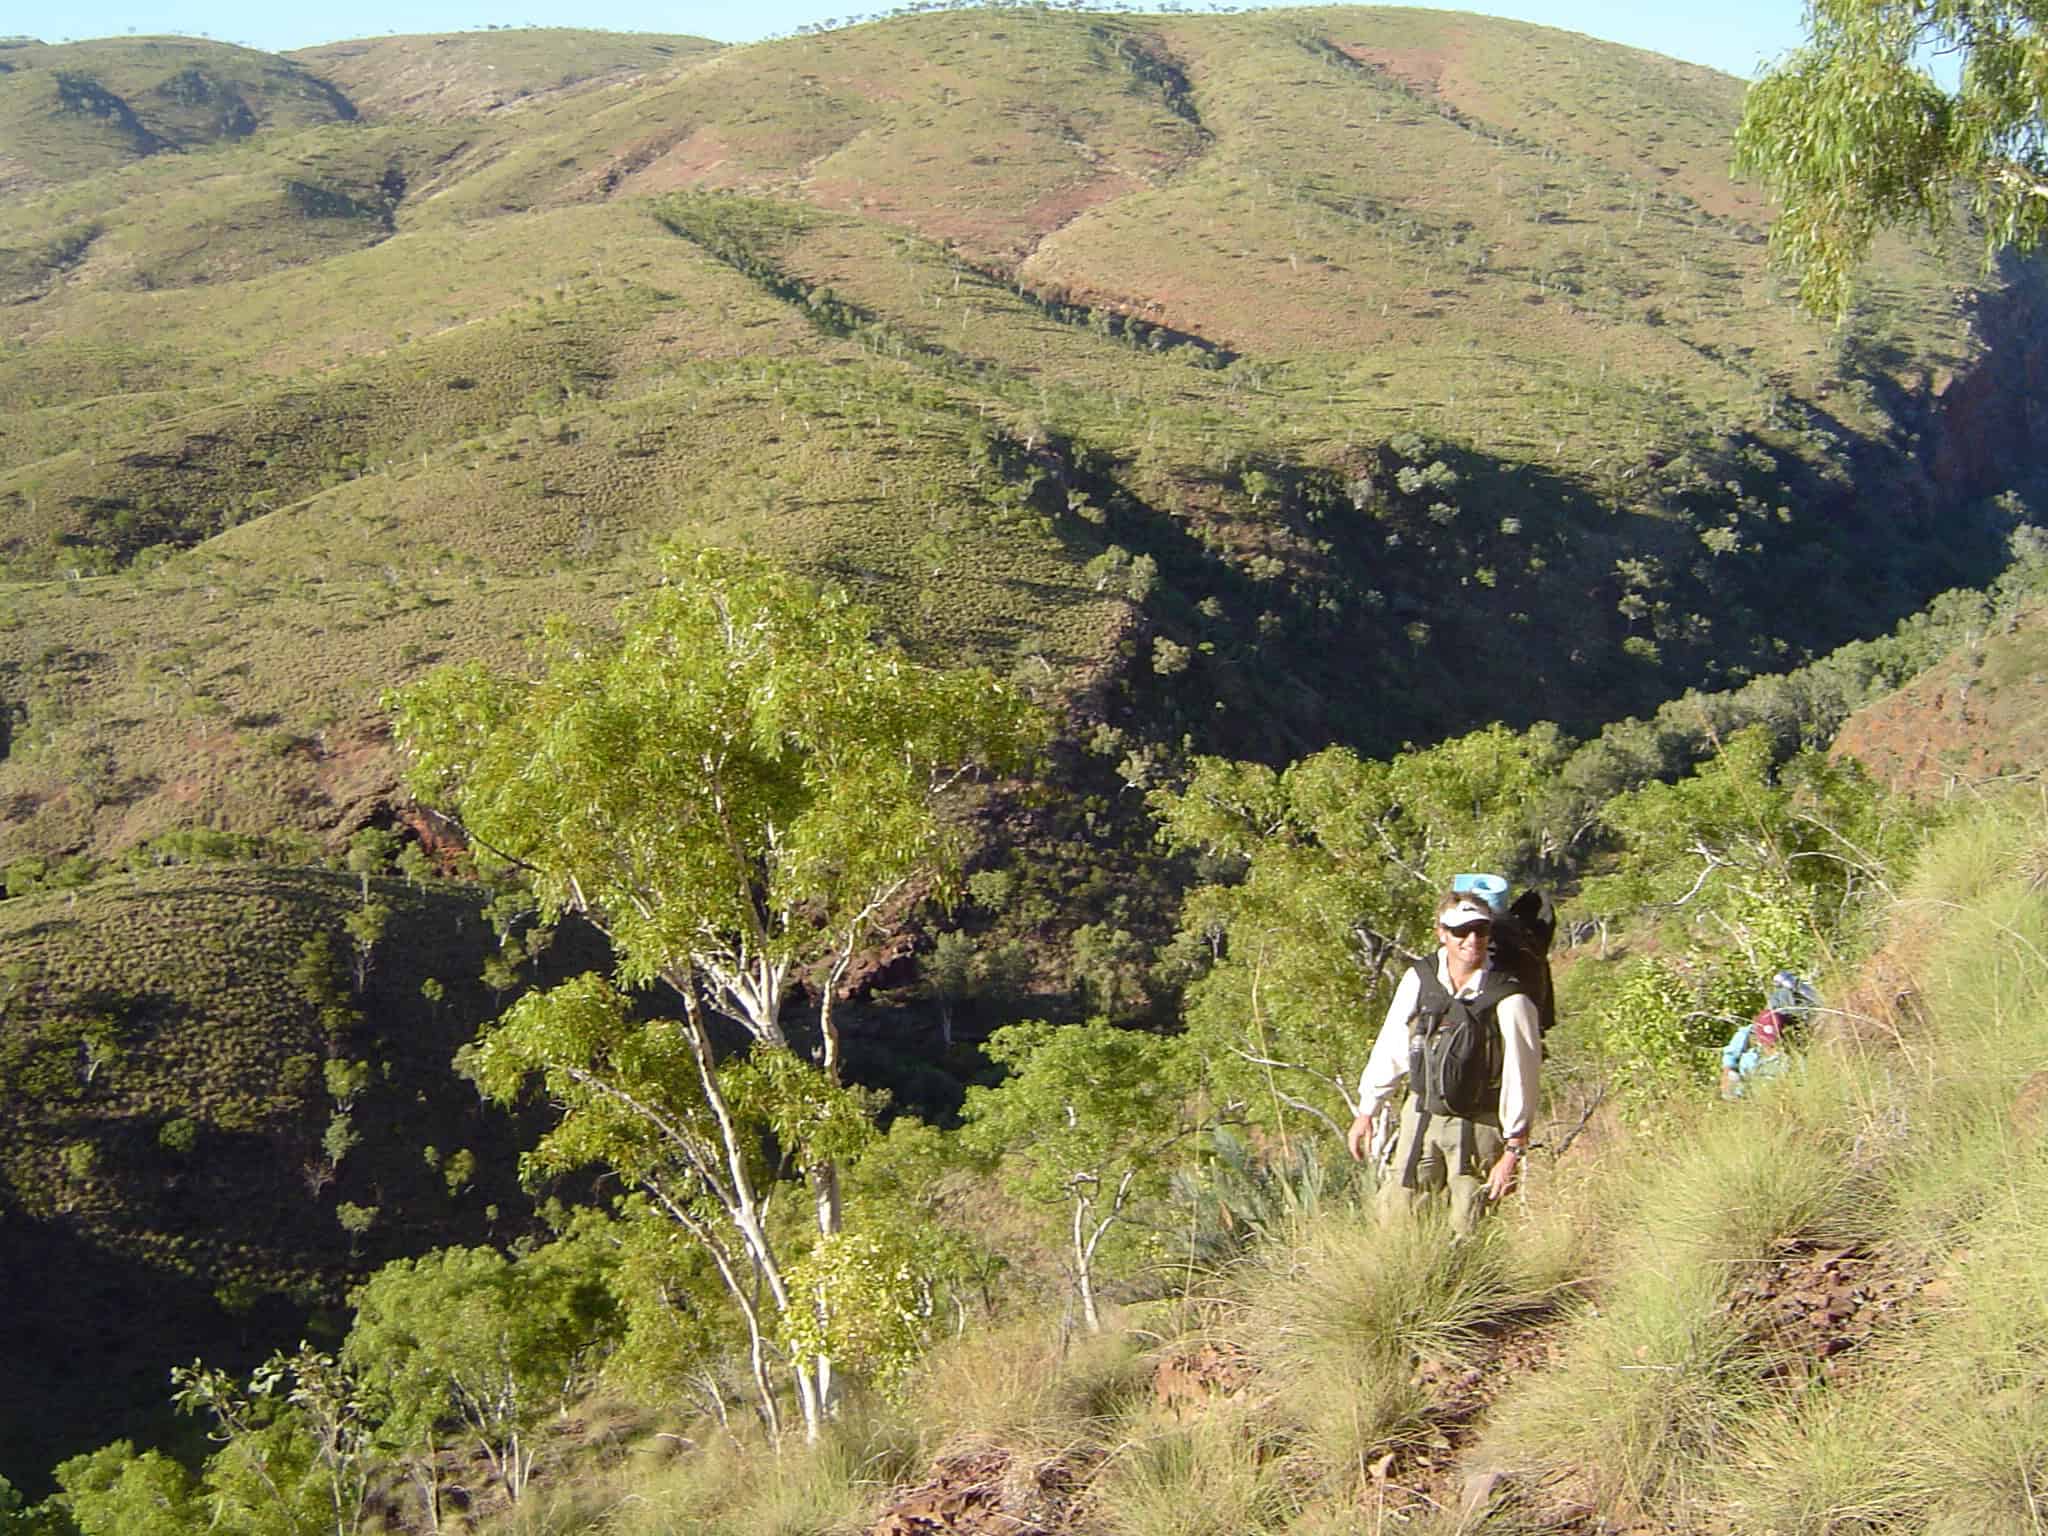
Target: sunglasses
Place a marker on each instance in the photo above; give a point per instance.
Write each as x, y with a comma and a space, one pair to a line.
1473, 931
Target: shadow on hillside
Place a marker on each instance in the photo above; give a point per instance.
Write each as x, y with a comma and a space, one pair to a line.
89, 1336
1305, 605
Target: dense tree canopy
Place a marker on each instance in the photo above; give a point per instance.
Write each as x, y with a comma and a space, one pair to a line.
733, 790
1856, 134
737, 790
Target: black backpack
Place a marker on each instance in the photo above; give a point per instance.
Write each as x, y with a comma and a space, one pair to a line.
1521, 946
1454, 1051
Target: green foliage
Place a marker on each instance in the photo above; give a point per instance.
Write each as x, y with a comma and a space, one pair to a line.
356, 1220
875, 1305
365, 928
1342, 861
927, 400
295, 1445
1855, 135
216, 1043
1657, 1035
115, 1492
467, 1337
1815, 832
1080, 1105
339, 1139
795, 762
79, 1160
370, 852
1109, 970
459, 1171
1768, 868
345, 1081
316, 973
1085, 1118
644, 1099
736, 790
598, 1062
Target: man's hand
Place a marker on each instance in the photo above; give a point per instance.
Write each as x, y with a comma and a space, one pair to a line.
1501, 1182
1360, 1135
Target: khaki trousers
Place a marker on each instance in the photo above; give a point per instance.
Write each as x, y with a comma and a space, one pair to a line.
1443, 1165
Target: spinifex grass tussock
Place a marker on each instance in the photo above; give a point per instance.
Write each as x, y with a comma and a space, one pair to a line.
1225, 1472
1978, 1007
1027, 1383
1658, 1373
730, 1482
1649, 1385
1946, 1432
1986, 1425
1677, 1396
1340, 1319
1943, 1427
1837, 1464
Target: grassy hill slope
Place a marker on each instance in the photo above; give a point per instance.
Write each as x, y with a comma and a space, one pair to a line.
480, 347
167, 1047
467, 74
77, 109
1220, 377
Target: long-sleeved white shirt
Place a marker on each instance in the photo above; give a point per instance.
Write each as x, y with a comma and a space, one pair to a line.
1521, 1049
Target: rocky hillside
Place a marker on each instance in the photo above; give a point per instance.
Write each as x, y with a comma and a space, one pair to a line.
1228, 380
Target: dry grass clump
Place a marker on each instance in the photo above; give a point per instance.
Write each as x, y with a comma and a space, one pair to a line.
1028, 1383
1224, 1472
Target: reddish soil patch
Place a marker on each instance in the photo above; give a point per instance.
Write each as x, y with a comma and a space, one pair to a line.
2030, 1107
1192, 1377
1420, 69
1434, 1474
657, 166
1817, 1307
990, 1492
1979, 714
624, 165
1058, 209
358, 777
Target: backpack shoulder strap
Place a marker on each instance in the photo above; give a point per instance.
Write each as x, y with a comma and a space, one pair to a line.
1501, 984
1431, 997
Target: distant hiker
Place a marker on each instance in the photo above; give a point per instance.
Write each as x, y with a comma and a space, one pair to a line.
1754, 1053
1467, 1038
1792, 997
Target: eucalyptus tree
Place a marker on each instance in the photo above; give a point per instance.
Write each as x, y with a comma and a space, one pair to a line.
739, 790
1082, 1120
468, 1337
1855, 133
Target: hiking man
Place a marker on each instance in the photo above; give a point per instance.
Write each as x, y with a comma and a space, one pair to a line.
1755, 1053
1467, 1038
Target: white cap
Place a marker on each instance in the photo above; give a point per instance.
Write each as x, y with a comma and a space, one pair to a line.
1469, 912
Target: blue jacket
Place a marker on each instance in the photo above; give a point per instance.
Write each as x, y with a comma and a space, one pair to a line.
1746, 1061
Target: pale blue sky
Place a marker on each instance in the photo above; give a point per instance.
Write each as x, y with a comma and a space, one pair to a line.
1733, 36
